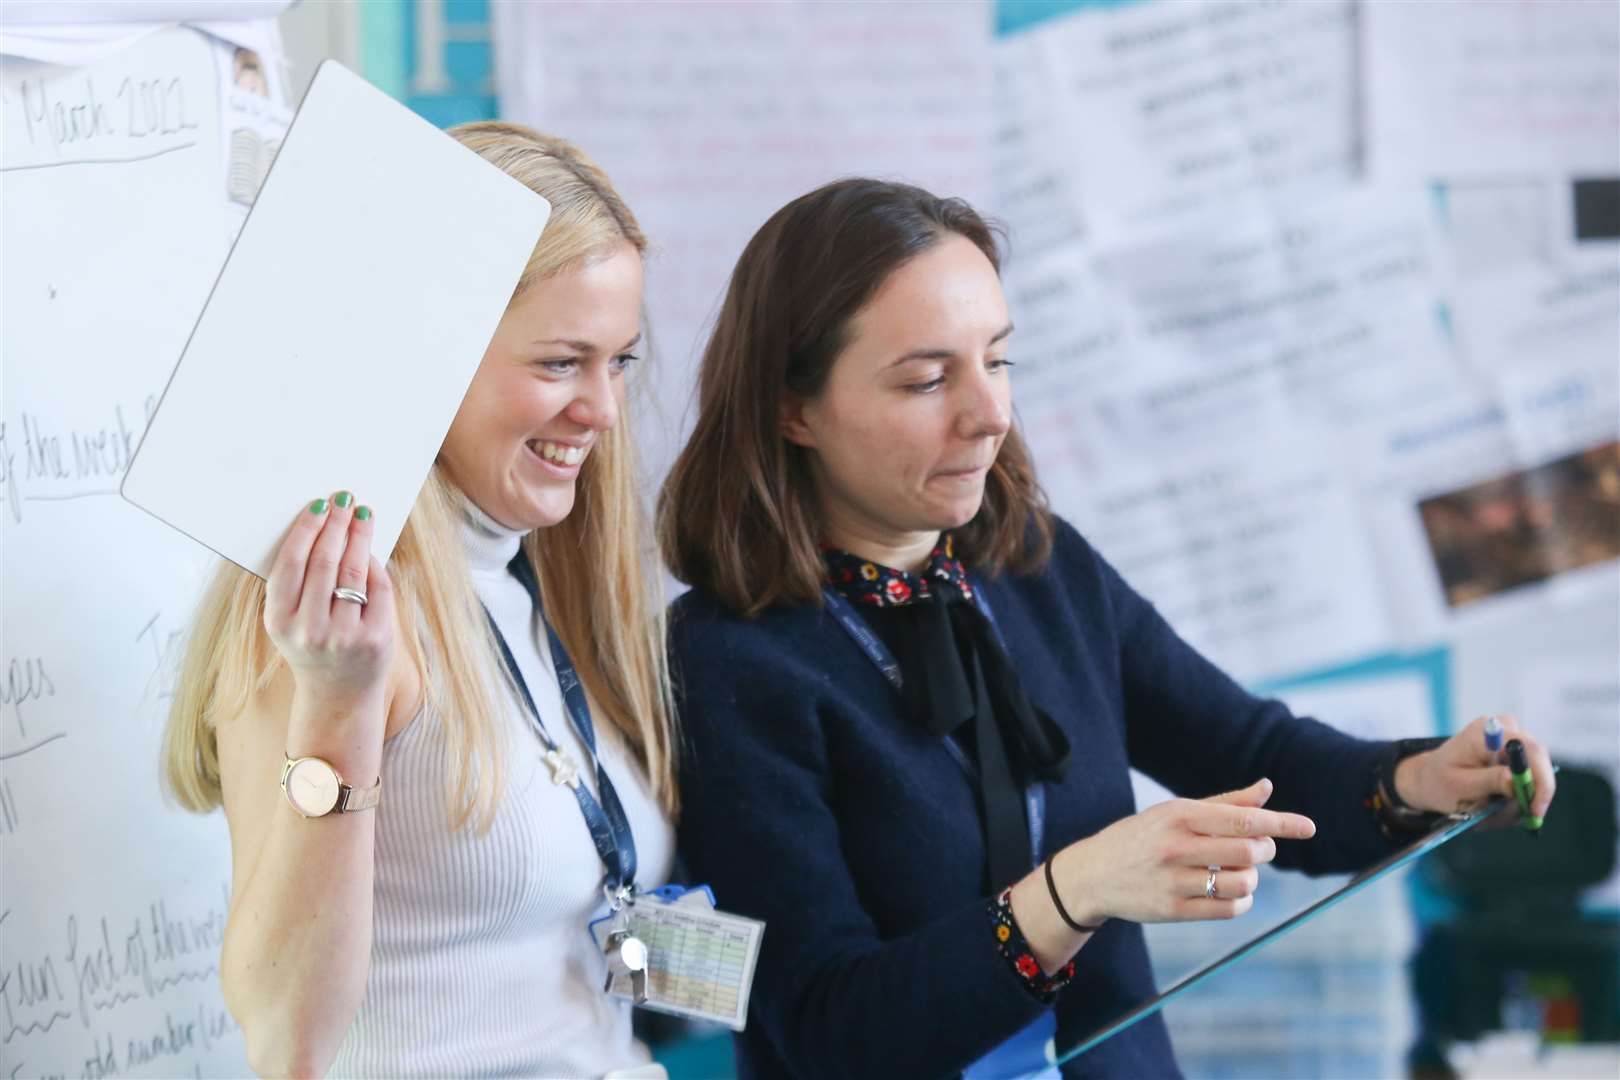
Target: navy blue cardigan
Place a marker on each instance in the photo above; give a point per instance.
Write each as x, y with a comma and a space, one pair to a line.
812, 803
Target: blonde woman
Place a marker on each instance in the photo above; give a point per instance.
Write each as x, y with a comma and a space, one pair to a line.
442, 931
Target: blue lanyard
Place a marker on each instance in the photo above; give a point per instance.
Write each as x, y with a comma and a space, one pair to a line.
878, 653
606, 820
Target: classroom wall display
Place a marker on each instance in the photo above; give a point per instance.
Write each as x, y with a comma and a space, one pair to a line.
123, 181
1330, 379
1278, 356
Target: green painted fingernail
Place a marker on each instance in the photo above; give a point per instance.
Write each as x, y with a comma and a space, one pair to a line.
318, 506
343, 498
363, 514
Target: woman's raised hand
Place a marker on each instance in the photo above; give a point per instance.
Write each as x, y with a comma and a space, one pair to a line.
1463, 773
1155, 866
339, 649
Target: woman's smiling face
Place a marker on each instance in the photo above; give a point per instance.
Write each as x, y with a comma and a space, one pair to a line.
550, 384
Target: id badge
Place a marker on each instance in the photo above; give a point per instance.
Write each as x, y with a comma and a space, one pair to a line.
671, 951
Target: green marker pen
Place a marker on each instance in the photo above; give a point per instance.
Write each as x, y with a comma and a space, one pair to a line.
1524, 788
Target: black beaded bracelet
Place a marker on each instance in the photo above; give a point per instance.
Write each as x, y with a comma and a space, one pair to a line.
1051, 887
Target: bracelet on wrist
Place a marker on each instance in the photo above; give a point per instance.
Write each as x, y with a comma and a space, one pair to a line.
1063, 912
1016, 951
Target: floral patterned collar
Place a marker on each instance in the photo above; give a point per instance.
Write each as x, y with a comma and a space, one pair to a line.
865, 582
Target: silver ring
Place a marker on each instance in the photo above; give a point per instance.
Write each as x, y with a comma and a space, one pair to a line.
1209, 885
352, 595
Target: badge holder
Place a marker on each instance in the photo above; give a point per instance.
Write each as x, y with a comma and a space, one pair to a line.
671, 951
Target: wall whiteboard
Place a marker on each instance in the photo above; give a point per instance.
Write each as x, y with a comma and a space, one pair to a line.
116, 221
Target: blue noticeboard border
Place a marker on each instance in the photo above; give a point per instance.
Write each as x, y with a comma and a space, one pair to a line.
1015, 15
1433, 665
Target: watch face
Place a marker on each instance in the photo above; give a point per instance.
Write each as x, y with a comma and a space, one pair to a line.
312, 787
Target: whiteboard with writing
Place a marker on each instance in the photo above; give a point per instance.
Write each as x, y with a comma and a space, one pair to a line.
112, 904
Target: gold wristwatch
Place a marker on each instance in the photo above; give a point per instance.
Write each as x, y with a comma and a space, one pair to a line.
314, 789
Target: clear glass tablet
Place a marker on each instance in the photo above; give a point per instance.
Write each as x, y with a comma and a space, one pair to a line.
1389, 865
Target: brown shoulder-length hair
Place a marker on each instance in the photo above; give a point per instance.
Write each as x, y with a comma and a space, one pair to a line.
738, 513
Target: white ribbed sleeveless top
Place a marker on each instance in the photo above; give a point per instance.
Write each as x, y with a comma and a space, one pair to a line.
481, 964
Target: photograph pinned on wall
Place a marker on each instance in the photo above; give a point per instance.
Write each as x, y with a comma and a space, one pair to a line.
1595, 209
1586, 219
1188, 110
254, 114
1527, 526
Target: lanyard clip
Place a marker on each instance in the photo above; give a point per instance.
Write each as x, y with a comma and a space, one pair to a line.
627, 954
619, 896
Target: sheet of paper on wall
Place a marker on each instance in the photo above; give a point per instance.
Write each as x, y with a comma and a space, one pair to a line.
1034, 167
1497, 225
1256, 554
254, 115
1193, 108
1566, 404
1487, 90
1317, 326
1069, 339
1536, 312
1573, 706
1326, 321
343, 331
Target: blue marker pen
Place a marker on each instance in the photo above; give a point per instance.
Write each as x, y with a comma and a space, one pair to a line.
1493, 734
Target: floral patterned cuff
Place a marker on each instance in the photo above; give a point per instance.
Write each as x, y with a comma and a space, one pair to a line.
1015, 950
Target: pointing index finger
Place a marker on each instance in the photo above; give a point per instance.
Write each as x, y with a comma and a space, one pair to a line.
1217, 819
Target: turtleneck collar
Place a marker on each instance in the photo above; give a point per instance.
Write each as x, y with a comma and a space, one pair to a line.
490, 545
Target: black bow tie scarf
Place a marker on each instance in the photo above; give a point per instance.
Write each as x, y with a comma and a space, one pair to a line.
958, 682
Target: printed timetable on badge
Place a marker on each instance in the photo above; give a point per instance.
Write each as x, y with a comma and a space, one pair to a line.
700, 961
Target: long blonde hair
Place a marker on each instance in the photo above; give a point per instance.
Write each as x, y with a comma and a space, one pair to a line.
593, 566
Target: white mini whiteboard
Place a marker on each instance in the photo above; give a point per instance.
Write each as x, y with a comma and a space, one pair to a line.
343, 331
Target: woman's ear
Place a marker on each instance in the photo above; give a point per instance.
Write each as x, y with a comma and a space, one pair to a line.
791, 421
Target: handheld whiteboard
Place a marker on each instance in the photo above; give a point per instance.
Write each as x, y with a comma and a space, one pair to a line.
344, 328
